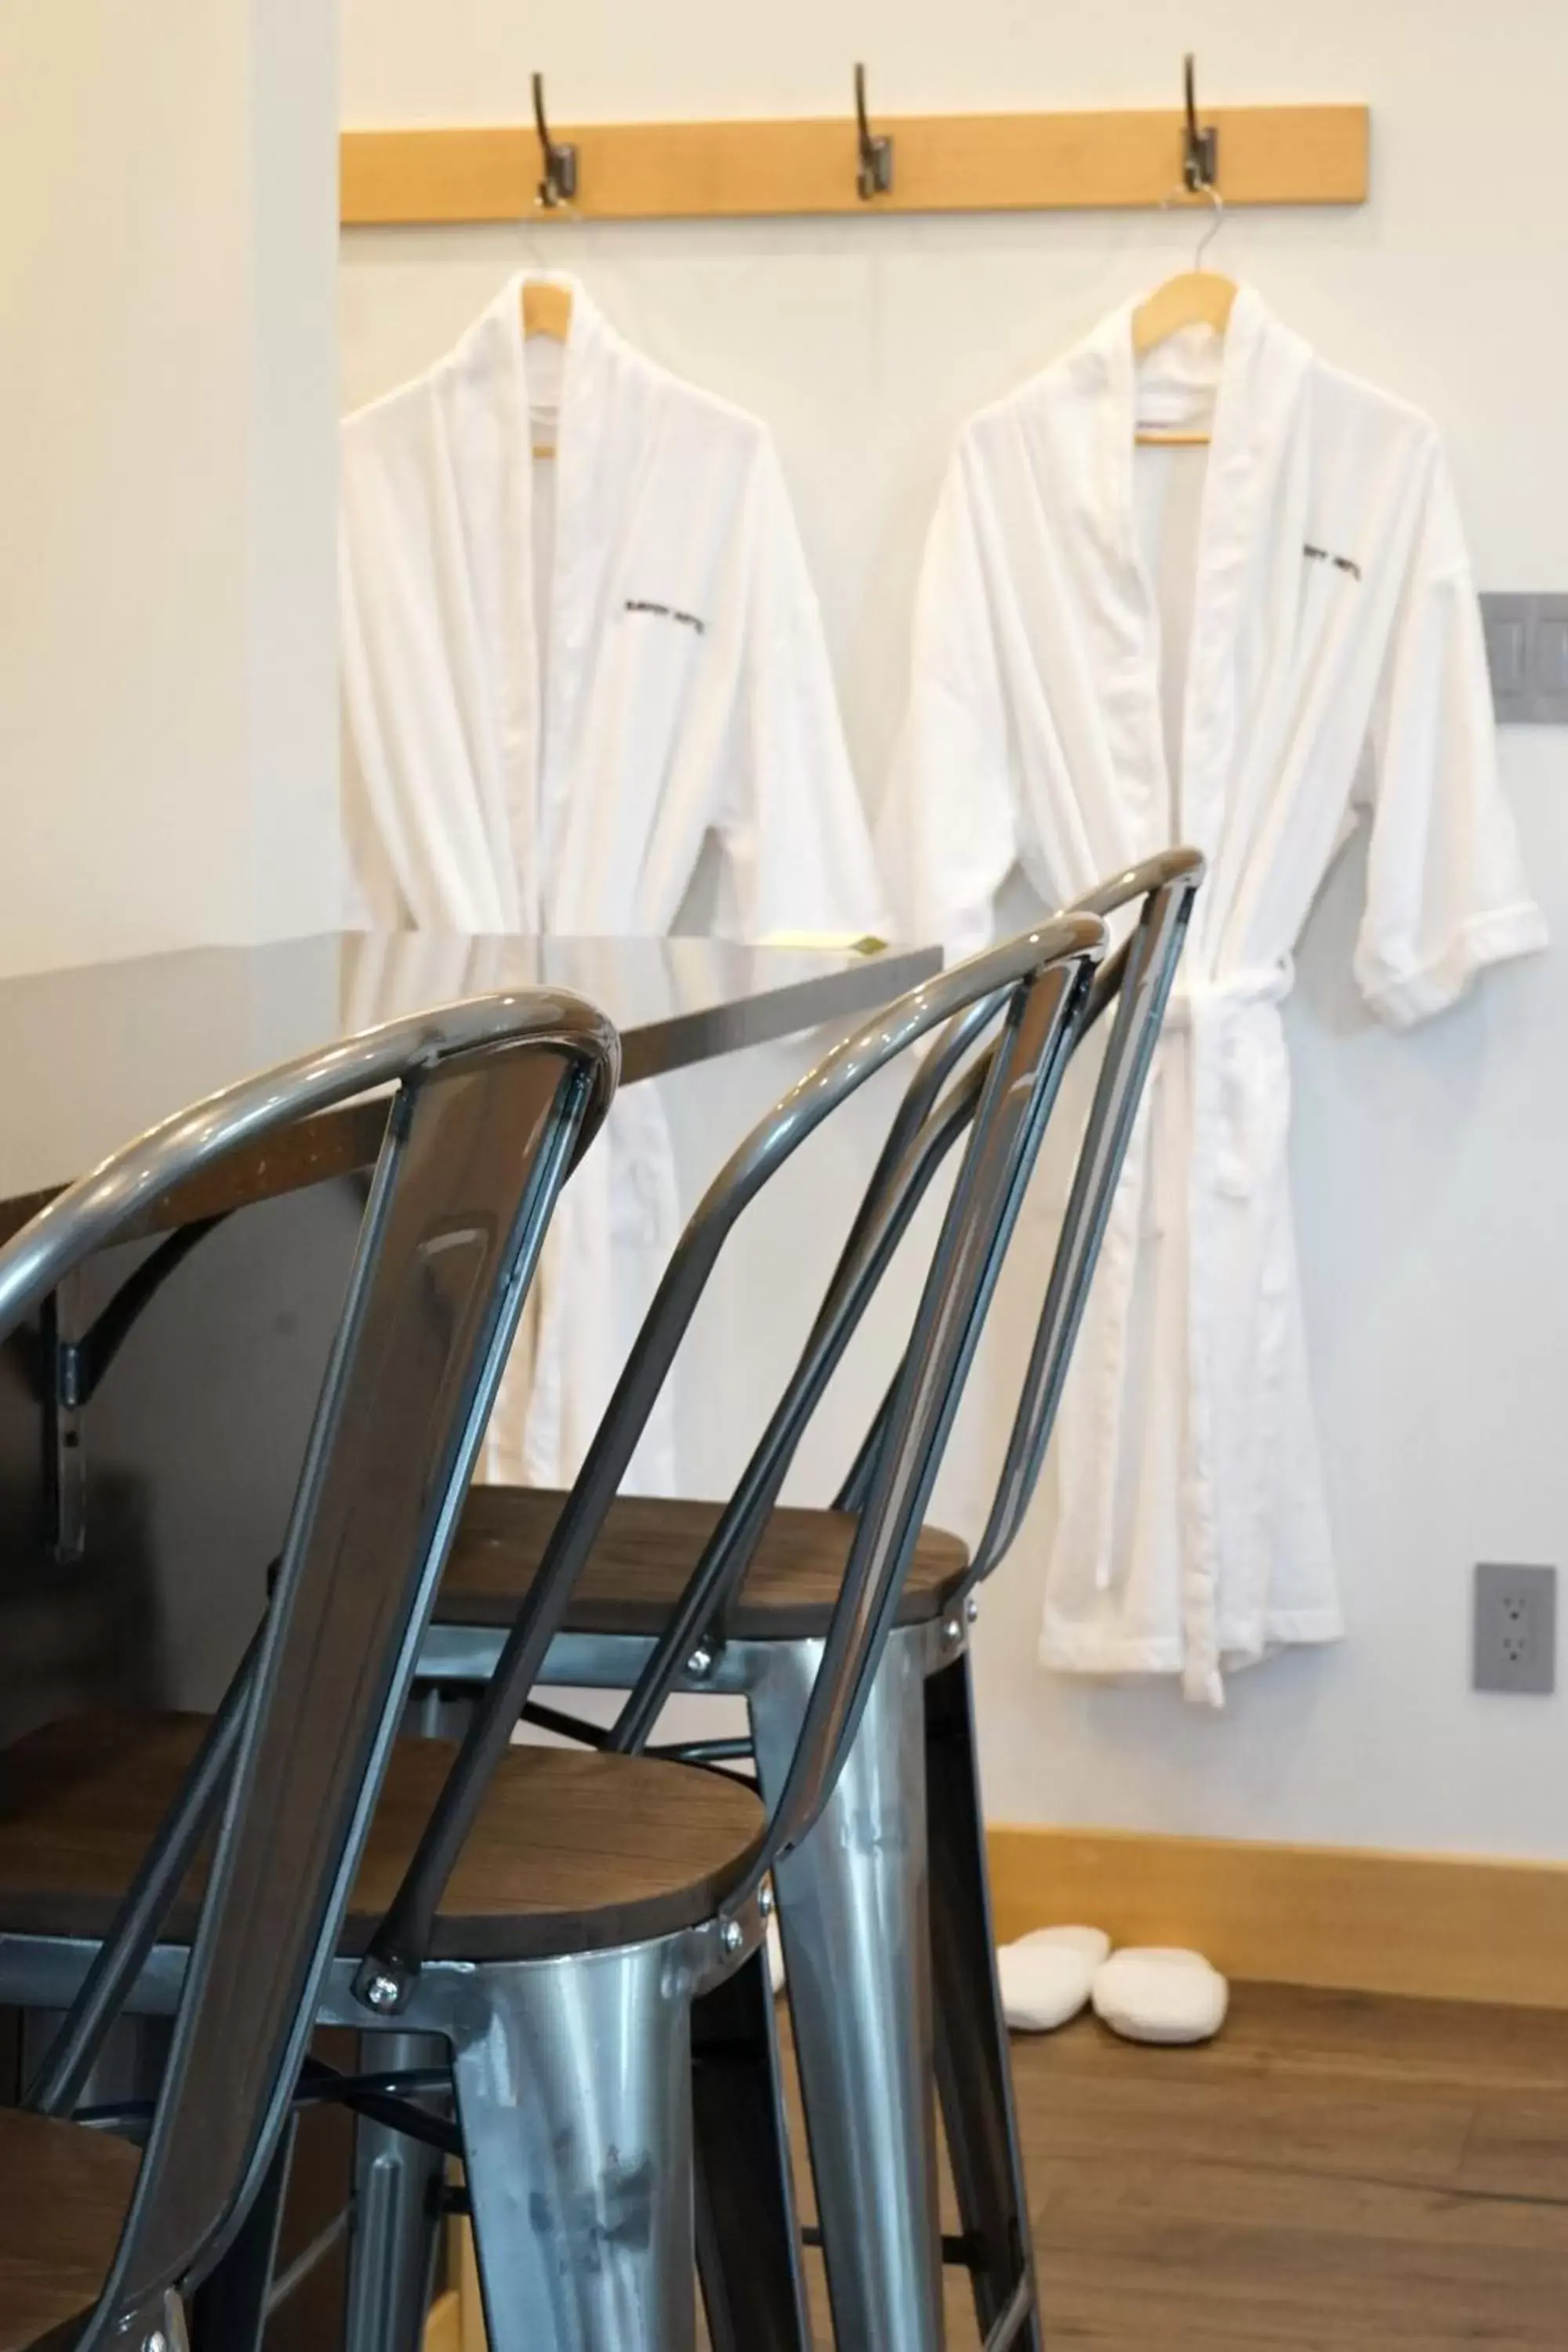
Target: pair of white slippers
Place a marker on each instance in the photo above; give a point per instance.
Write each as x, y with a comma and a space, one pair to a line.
1148, 1994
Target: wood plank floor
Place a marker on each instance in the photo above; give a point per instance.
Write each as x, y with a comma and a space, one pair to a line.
1336, 2172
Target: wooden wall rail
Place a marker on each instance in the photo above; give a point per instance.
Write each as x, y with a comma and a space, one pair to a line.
942, 163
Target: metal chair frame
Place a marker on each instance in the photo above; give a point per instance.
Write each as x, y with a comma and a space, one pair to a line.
701, 1997
574, 2076
595, 2054
893, 1881
493, 1100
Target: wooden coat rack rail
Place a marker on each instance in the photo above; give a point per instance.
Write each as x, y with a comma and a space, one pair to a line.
941, 163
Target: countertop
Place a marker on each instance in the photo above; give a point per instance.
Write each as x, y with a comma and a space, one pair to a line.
91, 1056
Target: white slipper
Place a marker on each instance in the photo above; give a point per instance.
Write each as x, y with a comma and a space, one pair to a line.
1161, 1994
1092, 1942
1046, 1976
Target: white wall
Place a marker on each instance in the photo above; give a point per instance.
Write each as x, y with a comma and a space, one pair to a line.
1431, 1170
168, 727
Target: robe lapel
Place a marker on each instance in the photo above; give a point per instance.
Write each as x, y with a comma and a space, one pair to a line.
582, 542
1120, 611
534, 723
493, 448
1261, 369
1262, 379
1261, 372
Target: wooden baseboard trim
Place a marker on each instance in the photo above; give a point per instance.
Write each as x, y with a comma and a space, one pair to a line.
456, 2321
444, 2328
1428, 1926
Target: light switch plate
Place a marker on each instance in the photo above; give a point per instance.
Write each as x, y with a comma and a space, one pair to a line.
1526, 652
1515, 1630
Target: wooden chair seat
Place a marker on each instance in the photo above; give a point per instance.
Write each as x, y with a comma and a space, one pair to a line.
64, 2194
572, 1850
649, 1547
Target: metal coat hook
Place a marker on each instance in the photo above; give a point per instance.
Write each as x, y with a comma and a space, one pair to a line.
875, 177
559, 184
1200, 148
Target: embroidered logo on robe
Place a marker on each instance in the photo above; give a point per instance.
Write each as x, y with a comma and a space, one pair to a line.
1325, 555
666, 613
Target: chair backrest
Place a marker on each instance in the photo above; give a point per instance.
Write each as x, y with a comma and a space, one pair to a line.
494, 1099
912, 1430
1005, 1099
1137, 981
1038, 987
1017, 1096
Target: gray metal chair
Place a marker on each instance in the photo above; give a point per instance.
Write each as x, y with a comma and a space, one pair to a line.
493, 1100
904, 1815
1038, 988
558, 1914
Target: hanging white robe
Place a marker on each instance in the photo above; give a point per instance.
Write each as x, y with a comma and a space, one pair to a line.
1334, 668
684, 690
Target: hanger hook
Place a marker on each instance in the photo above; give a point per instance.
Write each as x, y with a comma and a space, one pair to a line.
875, 176
558, 184
1200, 147
1215, 223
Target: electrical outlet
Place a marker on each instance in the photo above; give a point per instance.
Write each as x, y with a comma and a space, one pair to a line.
1515, 1630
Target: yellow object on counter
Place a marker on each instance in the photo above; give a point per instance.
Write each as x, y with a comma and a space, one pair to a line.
827, 942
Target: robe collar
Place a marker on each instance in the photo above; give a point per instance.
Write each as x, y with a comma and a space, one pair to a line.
1248, 379
1253, 379
495, 350
492, 365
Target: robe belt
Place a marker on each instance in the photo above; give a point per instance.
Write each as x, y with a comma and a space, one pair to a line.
1239, 1074
1239, 1112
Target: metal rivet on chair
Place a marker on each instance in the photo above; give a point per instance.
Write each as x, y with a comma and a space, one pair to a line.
732, 1935
700, 1663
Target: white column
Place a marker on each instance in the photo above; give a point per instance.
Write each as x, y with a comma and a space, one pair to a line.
168, 225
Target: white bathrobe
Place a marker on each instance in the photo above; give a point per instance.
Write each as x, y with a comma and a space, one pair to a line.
1333, 668
558, 681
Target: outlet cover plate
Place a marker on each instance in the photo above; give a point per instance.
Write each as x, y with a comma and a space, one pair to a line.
1526, 652
1515, 1630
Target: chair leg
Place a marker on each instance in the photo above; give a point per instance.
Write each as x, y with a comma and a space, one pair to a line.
574, 2082
852, 1908
229, 2310
392, 2254
974, 2073
748, 2242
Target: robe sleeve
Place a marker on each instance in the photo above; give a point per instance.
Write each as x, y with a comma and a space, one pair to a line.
1445, 889
948, 832
790, 819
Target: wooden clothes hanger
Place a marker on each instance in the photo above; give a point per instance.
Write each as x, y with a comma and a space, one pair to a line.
1194, 298
546, 310
546, 307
